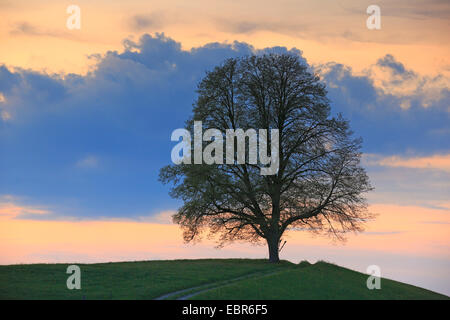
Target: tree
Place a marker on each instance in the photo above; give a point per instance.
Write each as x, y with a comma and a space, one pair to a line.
319, 185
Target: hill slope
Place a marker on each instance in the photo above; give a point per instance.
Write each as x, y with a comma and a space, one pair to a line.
319, 281
200, 279
122, 280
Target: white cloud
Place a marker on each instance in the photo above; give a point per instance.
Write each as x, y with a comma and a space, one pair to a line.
393, 78
5, 115
88, 162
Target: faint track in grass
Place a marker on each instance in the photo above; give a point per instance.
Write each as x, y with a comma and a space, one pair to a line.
193, 291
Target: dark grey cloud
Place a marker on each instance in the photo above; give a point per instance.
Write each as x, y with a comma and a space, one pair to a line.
388, 61
149, 22
411, 9
25, 28
250, 26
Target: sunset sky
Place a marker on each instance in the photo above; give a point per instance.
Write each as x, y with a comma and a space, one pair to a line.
86, 117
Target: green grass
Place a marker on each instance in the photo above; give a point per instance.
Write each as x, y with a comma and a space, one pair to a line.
151, 279
319, 281
122, 280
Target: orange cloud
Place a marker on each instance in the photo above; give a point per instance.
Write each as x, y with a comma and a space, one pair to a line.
36, 34
397, 230
10, 209
438, 162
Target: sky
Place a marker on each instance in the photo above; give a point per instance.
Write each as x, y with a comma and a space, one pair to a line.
86, 117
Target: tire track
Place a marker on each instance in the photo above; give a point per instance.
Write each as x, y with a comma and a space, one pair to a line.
210, 286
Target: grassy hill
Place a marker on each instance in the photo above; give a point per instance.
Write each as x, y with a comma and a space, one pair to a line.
200, 279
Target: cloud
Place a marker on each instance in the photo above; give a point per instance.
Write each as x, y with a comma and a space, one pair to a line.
394, 109
121, 113
406, 8
5, 115
6, 4
119, 117
16, 208
164, 217
140, 22
391, 63
409, 180
392, 77
249, 26
344, 22
420, 181
419, 9
9, 209
439, 162
88, 162
25, 28
28, 29
425, 246
389, 81
435, 162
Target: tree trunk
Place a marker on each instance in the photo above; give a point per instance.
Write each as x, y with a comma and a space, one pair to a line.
272, 243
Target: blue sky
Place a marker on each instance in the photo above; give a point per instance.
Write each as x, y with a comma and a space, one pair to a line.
91, 145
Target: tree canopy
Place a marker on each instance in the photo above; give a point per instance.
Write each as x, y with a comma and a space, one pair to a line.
319, 185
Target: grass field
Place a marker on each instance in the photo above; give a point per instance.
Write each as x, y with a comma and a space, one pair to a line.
319, 281
122, 280
238, 279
